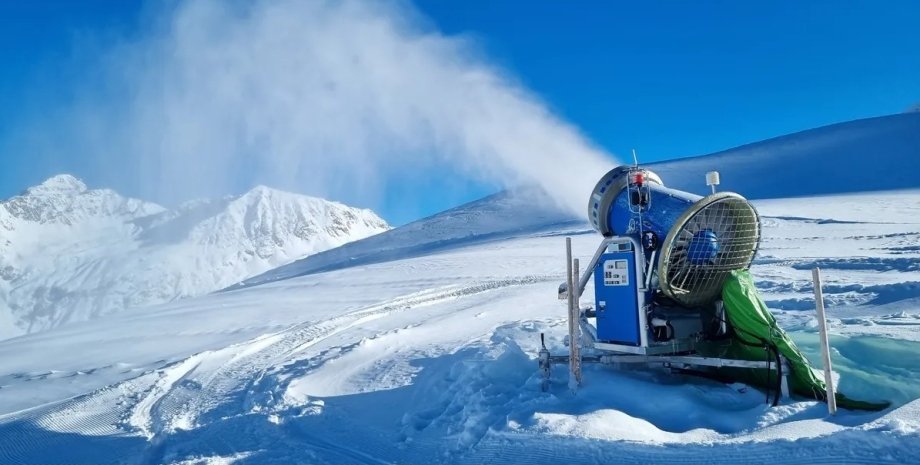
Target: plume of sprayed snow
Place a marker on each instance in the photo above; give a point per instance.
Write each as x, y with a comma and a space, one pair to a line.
324, 97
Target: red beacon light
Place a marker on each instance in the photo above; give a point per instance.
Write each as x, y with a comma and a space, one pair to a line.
638, 178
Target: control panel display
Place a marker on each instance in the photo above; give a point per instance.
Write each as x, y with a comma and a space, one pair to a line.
616, 273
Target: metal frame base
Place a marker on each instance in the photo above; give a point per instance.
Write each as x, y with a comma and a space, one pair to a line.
676, 354
676, 347
679, 354
546, 361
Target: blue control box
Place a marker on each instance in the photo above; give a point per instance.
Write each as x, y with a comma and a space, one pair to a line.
616, 290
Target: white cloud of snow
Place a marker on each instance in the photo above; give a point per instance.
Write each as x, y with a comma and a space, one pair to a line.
329, 98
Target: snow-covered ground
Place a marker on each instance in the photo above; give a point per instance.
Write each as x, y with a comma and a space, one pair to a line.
431, 359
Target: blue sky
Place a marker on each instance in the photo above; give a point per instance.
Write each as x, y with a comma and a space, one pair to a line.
684, 78
670, 79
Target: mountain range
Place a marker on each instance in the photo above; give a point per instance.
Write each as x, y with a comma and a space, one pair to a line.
70, 253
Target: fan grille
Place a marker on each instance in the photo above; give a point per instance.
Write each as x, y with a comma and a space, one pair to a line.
717, 235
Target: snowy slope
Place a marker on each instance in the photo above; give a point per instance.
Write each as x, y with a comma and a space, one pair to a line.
431, 360
69, 253
878, 154
857, 156
500, 216
418, 346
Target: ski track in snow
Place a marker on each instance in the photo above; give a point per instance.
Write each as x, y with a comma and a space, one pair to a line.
431, 360
213, 385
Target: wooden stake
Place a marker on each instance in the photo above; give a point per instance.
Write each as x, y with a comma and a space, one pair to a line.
573, 382
575, 338
825, 344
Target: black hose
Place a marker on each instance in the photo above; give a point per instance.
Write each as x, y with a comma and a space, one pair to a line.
766, 349
768, 346
779, 375
778, 387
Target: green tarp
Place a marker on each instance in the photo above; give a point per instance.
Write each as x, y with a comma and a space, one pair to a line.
755, 328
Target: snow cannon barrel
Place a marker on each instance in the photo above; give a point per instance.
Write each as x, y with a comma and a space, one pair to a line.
618, 201
698, 240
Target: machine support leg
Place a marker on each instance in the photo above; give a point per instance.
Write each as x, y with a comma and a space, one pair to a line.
546, 365
825, 345
784, 382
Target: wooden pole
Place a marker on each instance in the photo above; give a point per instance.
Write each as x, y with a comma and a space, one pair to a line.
576, 328
573, 383
825, 344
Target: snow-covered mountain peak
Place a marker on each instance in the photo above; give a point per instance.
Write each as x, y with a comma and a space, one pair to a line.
61, 183
265, 196
261, 191
263, 203
271, 222
70, 253
64, 199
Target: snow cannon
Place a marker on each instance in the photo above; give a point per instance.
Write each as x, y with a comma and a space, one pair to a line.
689, 244
664, 259
672, 289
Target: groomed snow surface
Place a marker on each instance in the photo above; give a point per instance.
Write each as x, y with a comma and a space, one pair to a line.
431, 359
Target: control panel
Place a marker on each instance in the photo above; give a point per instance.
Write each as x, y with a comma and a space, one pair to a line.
616, 273
617, 295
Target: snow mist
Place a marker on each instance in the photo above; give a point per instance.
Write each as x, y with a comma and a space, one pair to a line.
329, 98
